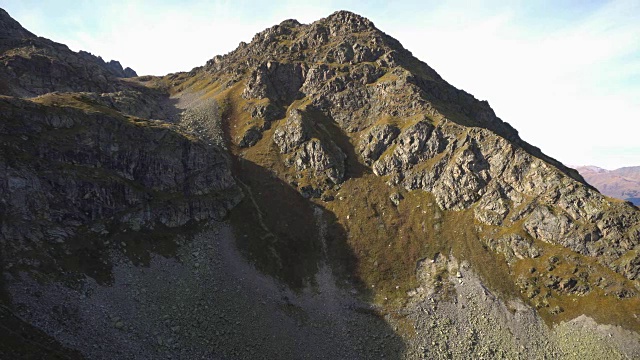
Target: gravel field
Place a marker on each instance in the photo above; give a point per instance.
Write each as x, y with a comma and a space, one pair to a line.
471, 322
207, 303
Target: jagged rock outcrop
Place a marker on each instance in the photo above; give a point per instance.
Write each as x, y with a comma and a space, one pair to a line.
278, 82
293, 133
479, 169
323, 160
414, 144
376, 141
113, 66
317, 153
117, 70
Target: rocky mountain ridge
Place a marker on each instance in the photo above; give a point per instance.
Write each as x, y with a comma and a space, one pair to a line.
32, 65
356, 184
388, 101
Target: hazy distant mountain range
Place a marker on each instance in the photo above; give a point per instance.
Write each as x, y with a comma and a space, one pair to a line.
623, 183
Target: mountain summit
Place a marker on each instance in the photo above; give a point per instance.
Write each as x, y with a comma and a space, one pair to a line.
318, 192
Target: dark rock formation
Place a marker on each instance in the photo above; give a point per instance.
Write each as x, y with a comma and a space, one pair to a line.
68, 174
32, 65
376, 141
322, 157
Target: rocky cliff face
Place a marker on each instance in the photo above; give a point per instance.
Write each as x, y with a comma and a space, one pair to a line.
71, 172
371, 186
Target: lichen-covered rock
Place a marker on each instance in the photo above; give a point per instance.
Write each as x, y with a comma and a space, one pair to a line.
376, 141
513, 247
629, 264
418, 142
308, 148
463, 180
492, 208
323, 160
293, 133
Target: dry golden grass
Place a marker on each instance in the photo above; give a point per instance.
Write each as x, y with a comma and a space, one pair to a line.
374, 243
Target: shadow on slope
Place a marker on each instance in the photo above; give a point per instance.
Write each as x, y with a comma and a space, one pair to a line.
289, 238
20, 340
282, 233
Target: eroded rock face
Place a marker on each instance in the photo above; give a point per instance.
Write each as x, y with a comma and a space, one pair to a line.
293, 134
492, 209
505, 184
278, 82
514, 247
66, 173
322, 156
543, 224
414, 144
322, 159
268, 112
376, 141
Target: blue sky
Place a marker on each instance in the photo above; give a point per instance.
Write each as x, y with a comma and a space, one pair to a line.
566, 74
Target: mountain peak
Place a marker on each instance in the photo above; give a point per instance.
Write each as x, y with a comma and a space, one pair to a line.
591, 168
342, 38
353, 21
291, 23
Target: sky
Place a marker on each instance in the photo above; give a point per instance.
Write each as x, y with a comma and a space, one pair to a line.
565, 74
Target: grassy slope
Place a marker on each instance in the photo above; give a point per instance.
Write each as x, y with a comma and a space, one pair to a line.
378, 245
